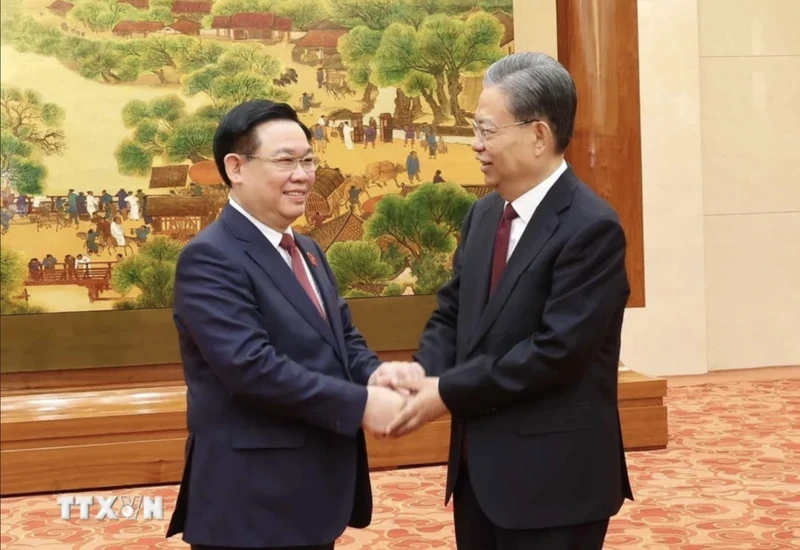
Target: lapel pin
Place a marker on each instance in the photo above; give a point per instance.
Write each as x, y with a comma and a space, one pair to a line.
311, 259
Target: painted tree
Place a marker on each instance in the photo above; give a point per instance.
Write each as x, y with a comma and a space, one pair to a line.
152, 271
12, 277
424, 226
232, 7
160, 10
431, 272
492, 5
357, 48
427, 220
193, 55
118, 61
379, 14
29, 36
114, 61
416, 11
102, 15
399, 62
392, 289
23, 173
431, 60
303, 12
154, 54
242, 72
358, 266
29, 125
30, 119
105, 60
373, 14
461, 47
162, 128
12, 284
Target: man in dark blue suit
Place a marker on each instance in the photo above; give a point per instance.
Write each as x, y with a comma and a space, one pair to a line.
280, 382
526, 337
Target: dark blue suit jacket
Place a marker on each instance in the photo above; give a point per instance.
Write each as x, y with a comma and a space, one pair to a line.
276, 394
529, 372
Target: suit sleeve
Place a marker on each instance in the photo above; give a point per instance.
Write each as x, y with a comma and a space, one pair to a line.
589, 288
362, 361
437, 345
216, 309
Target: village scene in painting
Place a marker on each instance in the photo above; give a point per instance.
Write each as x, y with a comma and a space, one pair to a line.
108, 110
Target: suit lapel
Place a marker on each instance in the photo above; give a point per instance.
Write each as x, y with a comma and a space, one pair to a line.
330, 300
477, 268
273, 264
538, 231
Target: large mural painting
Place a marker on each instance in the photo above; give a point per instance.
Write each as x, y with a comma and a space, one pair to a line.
108, 109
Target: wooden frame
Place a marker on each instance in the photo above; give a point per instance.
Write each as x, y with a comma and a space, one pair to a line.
82, 340
599, 44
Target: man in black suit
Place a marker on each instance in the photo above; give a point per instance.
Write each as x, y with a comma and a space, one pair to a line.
525, 340
276, 371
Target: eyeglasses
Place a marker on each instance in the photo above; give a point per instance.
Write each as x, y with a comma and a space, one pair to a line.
486, 132
290, 164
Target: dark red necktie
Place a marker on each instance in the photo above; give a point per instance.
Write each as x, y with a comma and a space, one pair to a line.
299, 268
501, 245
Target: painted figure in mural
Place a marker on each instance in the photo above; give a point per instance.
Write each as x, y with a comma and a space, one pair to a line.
409, 136
412, 167
91, 204
117, 233
281, 385
523, 349
347, 135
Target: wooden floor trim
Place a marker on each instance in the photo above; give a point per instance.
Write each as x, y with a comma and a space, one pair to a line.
93, 439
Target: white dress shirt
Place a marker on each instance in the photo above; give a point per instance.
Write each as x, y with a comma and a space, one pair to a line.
274, 237
527, 204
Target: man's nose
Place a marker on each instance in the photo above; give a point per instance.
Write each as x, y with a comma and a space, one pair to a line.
299, 174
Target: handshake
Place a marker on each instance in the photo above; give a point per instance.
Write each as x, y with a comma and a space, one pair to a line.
401, 399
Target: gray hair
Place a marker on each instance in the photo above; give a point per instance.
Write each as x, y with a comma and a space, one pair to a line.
537, 87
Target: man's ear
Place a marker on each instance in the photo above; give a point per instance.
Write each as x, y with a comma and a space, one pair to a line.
233, 167
543, 136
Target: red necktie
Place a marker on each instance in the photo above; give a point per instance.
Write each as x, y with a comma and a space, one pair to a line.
299, 268
501, 245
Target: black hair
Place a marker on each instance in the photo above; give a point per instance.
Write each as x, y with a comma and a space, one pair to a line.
236, 132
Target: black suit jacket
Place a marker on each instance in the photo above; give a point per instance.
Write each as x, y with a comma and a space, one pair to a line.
530, 372
276, 455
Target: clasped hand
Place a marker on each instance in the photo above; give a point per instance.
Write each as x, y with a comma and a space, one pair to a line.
401, 399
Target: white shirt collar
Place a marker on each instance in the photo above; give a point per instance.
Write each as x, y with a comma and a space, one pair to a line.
272, 236
526, 204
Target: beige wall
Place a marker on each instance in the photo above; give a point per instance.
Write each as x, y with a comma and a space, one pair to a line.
535, 26
668, 336
721, 182
750, 97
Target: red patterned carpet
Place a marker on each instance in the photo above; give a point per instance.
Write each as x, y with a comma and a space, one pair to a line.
729, 480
